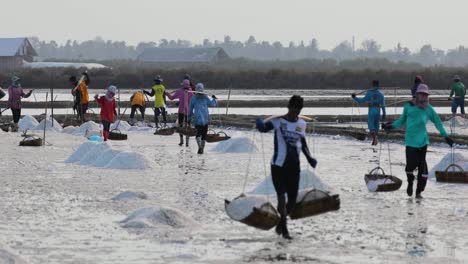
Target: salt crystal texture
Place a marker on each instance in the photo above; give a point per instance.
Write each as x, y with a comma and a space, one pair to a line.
154, 217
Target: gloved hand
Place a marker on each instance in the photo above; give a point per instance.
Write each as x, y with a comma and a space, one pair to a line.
214, 96
449, 141
259, 124
353, 95
313, 162
387, 126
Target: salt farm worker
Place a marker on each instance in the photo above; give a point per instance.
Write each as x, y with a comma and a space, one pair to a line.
417, 81
138, 102
457, 88
184, 101
415, 116
159, 93
81, 89
199, 108
289, 140
187, 77
108, 110
15, 93
76, 95
376, 100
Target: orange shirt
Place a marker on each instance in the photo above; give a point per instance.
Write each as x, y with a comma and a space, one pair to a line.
83, 89
138, 99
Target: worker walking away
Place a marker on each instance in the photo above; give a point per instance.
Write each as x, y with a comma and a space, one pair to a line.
184, 97
199, 109
81, 89
375, 100
159, 93
137, 102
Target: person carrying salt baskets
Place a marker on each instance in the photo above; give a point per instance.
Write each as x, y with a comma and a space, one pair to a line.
81, 89
375, 100
457, 88
15, 94
159, 93
289, 141
138, 102
108, 110
415, 116
199, 109
184, 97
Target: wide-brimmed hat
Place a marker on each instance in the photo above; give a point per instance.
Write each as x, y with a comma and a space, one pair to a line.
200, 87
423, 88
15, 78
185, 83
456, 78
158, 78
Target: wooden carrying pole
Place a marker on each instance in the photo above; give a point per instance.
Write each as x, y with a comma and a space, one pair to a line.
45, 120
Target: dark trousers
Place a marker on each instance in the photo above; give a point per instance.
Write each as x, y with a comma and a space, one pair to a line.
134, 108
202, 131
106, 125
16, 115
82, 108
159, 111
182, 118
286, 181
416, 158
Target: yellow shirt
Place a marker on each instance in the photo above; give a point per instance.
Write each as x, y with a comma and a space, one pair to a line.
159, 91
138, 99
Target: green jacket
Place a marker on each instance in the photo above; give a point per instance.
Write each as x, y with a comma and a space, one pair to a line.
459, 89
415, 119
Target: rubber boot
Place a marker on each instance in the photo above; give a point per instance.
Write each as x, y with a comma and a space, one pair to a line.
181, 139
409, 189
106, 135
200, 151
186, 140
202, 146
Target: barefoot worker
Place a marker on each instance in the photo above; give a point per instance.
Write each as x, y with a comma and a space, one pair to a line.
199, 108
108, 111
376, 100
184, 100
159, 93
15, 94
289, 140
415, 116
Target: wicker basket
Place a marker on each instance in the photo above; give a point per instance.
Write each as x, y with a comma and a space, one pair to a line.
117, 135
212, 136
31, 141
314, 202
5, 127
460, 176
264, 218
167, 131
393, 185
187, 131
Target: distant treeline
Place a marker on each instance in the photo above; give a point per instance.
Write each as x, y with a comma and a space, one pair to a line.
246, 74
100, 49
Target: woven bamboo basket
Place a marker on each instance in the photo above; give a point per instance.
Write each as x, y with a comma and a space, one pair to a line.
460, 176
31, 141
314, 202
167, 131
393, 184
264, 218
117, 135
187, 131
213, 136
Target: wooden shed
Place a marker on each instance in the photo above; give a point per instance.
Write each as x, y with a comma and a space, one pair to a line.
14, 52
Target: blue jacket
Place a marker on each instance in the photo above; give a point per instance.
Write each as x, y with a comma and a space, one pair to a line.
200, 103
375, 98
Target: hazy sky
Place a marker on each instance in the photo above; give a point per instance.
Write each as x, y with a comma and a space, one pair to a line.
411, 22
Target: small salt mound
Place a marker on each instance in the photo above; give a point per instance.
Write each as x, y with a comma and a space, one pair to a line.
241, 207
153, 217
128, 161
373, 185
82, 150
105, 157
459, 159
27, 123
236, 145
122, 126
128, 195
458, 121
90, 157
308, 179
48, 125
69, 130
88, 128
